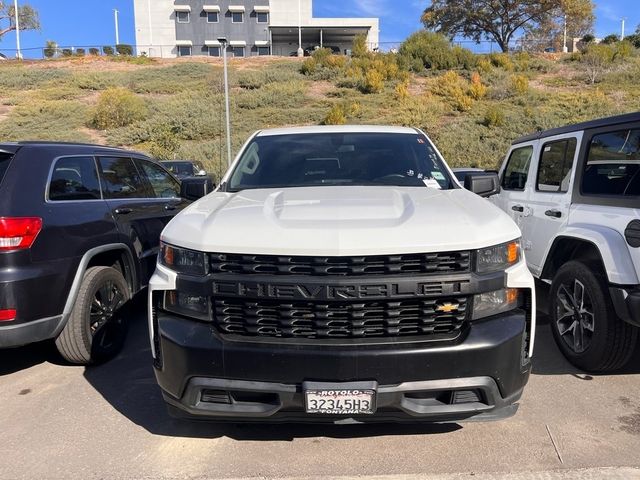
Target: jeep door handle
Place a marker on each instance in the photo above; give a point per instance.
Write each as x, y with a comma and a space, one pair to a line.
553, 213
517, 208
170, 207
123, 211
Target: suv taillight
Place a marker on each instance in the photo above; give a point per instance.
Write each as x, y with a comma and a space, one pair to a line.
18, 233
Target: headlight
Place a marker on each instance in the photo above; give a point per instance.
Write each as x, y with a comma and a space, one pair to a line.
194, 306
494, 303
498, 258
182, 260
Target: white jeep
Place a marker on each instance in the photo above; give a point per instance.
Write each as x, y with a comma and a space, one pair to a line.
575, 193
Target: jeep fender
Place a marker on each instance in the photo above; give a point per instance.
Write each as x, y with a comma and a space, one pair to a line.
80, 271
611, 246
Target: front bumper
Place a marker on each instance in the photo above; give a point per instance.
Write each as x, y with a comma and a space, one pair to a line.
488, 368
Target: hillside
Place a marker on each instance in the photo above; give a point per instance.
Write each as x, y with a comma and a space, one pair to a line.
175, 107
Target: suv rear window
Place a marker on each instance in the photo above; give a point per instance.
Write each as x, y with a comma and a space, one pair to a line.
74, 178
613, 164
5, 160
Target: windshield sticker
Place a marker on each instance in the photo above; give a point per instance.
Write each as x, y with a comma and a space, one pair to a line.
410, 173
437, 175
432, 183
420, 140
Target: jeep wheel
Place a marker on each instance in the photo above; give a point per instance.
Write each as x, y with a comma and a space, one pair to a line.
96, 328
583, 320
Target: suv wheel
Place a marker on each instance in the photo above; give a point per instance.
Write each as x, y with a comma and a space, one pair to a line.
583, 320
96, 328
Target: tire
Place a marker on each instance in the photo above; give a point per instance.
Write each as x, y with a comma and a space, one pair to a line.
85, 342
594, 340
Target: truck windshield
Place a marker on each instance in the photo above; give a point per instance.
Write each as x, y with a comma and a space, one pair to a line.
5, 160
330, 159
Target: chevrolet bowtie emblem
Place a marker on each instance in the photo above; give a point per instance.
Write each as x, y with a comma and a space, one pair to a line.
447, 307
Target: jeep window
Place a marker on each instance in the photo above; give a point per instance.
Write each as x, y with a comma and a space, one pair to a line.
5, 160
517, 170
120, 179
163, 184
330, 159
74, 178
556, 165
613, 164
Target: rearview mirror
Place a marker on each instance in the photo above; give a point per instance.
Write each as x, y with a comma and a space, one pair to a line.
196, 188
484, 185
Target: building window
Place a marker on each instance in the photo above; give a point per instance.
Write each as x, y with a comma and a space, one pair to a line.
262, 51
214, 51
212, 17
184, 51
183, 17
262, 17
237, 17
238, 51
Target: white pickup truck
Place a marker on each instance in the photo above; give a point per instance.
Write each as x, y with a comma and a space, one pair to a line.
341, 274
575, 193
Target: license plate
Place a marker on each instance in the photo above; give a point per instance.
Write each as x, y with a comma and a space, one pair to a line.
340, 402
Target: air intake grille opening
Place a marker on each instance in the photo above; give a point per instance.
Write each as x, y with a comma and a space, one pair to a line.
409, 264
319, 320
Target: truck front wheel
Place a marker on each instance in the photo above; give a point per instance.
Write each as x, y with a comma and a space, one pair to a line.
583, 320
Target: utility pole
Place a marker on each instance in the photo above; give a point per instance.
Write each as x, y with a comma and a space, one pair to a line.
300, 50
623, 20
223, 41
565, 49
115, 14
17, 14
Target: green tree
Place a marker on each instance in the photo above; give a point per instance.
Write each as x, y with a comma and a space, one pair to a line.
51, 49
499, 20
28, 16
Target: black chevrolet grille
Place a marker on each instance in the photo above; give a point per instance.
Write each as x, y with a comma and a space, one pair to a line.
410, 264
327, 320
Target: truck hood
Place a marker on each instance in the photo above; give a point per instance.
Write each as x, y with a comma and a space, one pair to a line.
340, 221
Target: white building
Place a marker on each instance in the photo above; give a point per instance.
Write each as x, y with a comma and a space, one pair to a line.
169, 28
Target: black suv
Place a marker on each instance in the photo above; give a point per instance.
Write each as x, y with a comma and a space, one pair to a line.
79, 236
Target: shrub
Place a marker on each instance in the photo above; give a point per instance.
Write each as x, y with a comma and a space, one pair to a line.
336, 116
92, 81
477, 90
118, 107
51, 49
309, 66
402, 91
623, 50
373, 82
433, 51
360, 48
494, 117
164, 143
519, 84
611, 39
94, 51
597, 60
67, 52
484, 65
124, 49
588, 38
80, 52
108, 50
501, 60
454, 88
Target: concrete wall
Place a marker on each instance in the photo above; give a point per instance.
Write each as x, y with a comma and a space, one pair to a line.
285, 12
158, 13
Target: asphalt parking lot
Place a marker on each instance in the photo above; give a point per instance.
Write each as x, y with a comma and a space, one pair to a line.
60, 421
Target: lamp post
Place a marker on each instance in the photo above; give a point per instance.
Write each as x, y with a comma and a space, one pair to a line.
623, 20
300, 50
565, 49
115, 14
223, 42
17, 14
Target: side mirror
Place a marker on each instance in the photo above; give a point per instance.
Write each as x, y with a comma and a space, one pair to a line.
484, 185
196, 188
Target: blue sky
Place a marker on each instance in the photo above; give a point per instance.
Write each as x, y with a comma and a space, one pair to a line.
90, 22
